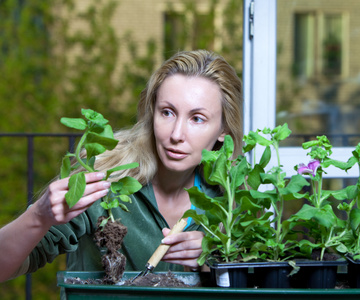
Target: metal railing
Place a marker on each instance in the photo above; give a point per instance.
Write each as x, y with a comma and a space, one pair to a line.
30, 172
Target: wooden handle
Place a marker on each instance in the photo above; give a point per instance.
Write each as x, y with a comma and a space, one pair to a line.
162, 249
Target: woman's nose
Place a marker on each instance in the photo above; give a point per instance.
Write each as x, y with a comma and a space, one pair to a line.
178, 132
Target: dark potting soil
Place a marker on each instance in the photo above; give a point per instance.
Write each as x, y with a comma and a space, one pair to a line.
151, 280
111, 237
160, 280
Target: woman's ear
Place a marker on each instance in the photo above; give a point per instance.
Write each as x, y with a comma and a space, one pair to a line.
222, 136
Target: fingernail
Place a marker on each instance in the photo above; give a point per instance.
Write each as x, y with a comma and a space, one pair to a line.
165, 241
106, 184
105, 192
100, 175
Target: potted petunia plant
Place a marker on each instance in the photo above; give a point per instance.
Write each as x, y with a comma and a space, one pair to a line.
245, 226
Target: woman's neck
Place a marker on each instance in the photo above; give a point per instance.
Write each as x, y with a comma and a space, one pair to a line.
173, 182
170, 194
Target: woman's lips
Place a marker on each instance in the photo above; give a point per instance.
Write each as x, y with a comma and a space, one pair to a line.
175, 154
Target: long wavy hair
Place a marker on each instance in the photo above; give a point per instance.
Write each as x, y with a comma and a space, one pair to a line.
137, 144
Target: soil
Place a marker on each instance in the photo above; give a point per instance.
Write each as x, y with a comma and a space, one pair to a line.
159, 280
315, 255
111, 237
150, 280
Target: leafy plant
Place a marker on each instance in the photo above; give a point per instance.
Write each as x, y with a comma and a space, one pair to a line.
247, 221
97, 138
281, 241
352, 237
252, 219
219, 169
327, 229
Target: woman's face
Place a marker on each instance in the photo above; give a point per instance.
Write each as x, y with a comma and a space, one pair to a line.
187, 119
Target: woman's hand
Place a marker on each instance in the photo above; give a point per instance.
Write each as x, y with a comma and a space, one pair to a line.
185, 248
18, 238
52, 208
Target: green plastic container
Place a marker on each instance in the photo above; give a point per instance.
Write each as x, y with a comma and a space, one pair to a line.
92, 292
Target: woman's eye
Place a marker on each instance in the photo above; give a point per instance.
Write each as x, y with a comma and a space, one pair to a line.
198, 119
166, 113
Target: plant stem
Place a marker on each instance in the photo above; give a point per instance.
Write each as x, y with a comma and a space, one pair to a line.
77, 152
279, 209
319, 192
229, 217
111, 215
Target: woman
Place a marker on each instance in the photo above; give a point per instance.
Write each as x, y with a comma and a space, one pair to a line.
189, 104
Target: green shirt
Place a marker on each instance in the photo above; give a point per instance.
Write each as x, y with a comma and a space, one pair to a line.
144, 223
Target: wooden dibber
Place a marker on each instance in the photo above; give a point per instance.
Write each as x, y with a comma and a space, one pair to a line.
161, 250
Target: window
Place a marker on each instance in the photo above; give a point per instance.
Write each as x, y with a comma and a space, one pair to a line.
332, 46
268, 63
188, 30
318, 44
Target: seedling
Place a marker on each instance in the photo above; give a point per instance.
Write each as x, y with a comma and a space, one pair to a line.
97, 138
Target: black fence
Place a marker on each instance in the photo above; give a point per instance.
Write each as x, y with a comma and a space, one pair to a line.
71, 137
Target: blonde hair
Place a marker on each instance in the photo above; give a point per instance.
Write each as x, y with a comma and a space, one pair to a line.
137, 144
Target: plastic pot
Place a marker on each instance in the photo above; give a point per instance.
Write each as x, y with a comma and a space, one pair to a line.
353, 272
312, 274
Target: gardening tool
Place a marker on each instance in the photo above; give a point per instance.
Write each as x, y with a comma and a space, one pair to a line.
160, 251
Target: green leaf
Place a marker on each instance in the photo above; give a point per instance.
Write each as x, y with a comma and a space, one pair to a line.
309, 144
338, 164
125, 198
296, 184
259, 139
355, 219
198, 219
120, 168
66, 166
249, 144
123, 207
77, 184
307, 212
104, 222
340, 194
265, 158
341, 248
238, 173
94, 117
93, 149
219, 171
104, 205
105, 131
261, 196
325, 216
108, 143
200, 200
267, 178
254, 178
281, 132
228, 146
91, 162
245, 203
75, 123
126, 186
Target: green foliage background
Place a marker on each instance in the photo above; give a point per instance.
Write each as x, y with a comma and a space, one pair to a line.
49, 70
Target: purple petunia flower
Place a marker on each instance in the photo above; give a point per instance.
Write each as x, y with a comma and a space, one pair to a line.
310, 168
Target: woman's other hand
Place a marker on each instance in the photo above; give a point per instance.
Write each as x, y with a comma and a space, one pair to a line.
185, 248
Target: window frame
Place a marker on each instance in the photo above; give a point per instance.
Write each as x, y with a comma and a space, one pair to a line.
259, 84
